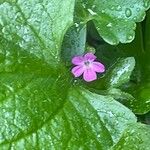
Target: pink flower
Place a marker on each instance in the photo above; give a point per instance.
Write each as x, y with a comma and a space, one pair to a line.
87, 66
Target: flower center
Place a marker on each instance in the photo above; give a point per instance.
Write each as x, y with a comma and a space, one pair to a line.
86, 63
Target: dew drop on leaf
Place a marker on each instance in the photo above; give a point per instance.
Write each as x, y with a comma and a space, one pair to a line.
93, 6
76, 25
109, 25
112, 8
138, 9
132, 131
92, 12
126, 139
98, 135
130, 37
134, 18
146, 4
111, 114
83, 5
128, 12
119, 8
103, 11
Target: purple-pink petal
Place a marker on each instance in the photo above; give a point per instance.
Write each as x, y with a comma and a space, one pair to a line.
77, 71
89, 75
77, 60
98, 67
89, 56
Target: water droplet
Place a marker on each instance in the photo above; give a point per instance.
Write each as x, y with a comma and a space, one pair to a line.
117, 122
146, 4
128, 12
77, 25
103, 11
75, 81
127, 139
119, 8
35, 92
134, 18
134, 26
93, 6
109, 24
83, 5
112, 8
98, 135
19, 85
92, 12
132, 131
147, 101
138, 9
111, 114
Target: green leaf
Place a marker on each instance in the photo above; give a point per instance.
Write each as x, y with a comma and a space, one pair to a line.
27, 101
120, 96
135, 137
93, 37
74, 42
114, 20
81, 120
141, 103
138, 102
36, 26
120, 72
108, 108
117, 74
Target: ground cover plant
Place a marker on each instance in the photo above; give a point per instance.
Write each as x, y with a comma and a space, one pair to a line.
74, 75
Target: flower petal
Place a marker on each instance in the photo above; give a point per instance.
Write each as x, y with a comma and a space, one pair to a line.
77, 71
89, 56
77, 60
89, 75
98, 67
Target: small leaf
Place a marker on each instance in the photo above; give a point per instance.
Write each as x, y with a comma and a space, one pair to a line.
141, 103
120, 96
120, 72
74, 42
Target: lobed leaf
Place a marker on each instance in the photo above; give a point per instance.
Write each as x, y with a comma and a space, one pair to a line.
115, 20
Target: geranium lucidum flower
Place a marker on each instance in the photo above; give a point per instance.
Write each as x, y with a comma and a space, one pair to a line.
87, 66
